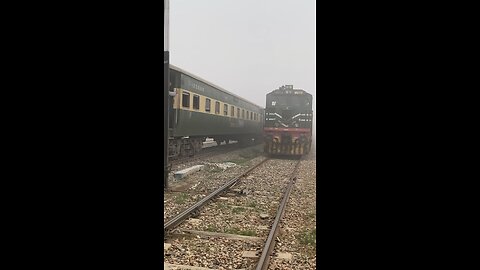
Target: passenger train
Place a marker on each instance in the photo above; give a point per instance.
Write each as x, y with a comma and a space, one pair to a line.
199, 109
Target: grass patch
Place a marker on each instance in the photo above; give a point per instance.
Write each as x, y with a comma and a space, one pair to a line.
252, 204
312, 215
211, 228
237, 210
215, 169
181, 198
240, 232
238, 161
223, 206
308, 237
249, 154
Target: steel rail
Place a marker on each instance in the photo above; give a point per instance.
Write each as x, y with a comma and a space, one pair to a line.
207, 152
175, 221
270, 243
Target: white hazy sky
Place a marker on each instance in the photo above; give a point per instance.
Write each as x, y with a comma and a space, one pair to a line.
249, 47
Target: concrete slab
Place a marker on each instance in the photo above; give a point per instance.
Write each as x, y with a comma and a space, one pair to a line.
241, 206
183, 173
226, 235
284, 256
168, 266
194, 221
249, 254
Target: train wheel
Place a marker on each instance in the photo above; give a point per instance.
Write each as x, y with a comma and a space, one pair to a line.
182, 151
198, 145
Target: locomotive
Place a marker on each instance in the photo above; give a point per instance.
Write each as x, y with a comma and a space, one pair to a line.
198, 109
288, 122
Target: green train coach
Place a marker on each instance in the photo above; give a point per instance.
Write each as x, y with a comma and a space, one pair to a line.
199, 109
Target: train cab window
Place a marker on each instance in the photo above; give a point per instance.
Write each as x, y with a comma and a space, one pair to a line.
225, 109
217, 107
232, 111
207, 105
196, 102
243, 113
186, 99
238, 112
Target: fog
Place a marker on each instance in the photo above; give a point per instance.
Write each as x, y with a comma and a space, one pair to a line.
249, 47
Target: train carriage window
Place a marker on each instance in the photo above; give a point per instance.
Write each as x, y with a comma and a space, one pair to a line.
207, 105
217, 107
225, 109
243, 113
186, 99
196, 102
238, 112
251, 115
232, 111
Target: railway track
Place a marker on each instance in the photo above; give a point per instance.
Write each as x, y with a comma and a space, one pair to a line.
209, 152
298, 238
259, 195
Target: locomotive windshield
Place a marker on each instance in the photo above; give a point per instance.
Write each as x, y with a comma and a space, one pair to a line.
293, 101
288, 110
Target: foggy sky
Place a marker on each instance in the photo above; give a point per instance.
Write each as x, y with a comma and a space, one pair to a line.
248, 47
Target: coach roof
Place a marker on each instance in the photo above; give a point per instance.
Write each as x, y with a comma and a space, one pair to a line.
211, 84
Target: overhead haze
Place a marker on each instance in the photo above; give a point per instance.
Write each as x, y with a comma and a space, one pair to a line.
248, 47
